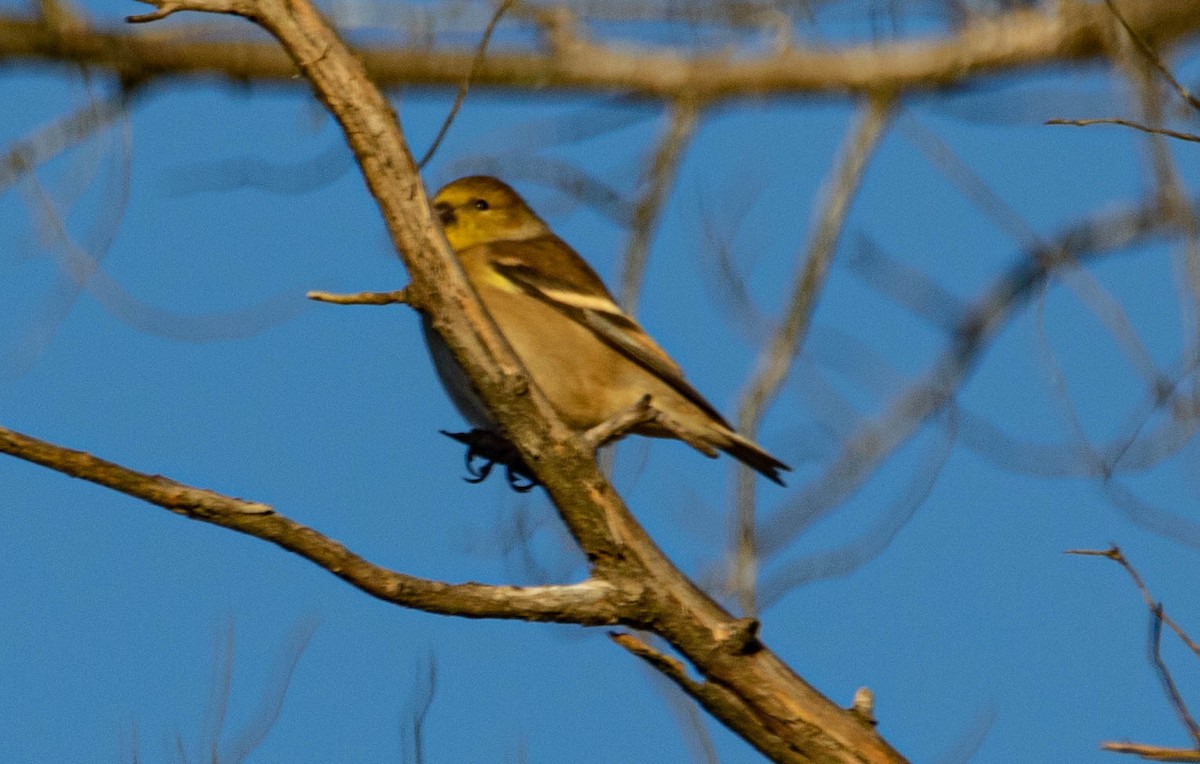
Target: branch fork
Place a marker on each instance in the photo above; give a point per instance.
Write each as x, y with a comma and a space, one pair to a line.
752, 692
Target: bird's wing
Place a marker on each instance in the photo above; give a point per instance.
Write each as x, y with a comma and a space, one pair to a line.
575, 290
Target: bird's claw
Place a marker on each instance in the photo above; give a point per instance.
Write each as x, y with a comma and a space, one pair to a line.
489, 449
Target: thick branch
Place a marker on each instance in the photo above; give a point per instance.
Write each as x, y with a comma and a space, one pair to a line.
1056, 33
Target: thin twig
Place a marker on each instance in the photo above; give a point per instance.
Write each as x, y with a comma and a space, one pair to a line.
1158, 618
1164, 675
1116, 555
1152, 56
1127, 123
466, 84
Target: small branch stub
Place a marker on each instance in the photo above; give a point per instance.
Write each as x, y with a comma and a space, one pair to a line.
740, 636
400, 296
863, 706
621, 423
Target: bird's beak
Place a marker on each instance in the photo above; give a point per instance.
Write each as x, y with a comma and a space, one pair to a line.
445, 212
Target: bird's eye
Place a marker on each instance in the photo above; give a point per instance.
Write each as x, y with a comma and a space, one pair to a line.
481, 204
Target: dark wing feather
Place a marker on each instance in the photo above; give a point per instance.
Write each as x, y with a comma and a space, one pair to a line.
576, 291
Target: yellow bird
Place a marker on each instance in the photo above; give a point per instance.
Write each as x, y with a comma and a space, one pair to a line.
590, 359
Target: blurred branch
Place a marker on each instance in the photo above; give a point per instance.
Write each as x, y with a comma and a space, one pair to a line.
1151, 55
964, 177
682, 118
24, 158
49, 141
1169, 186
82, 269
423, 693
875, 440
300, 177
1055, 33
870, 543
271, 704
220, 690
776, 358
461, 96
1153, 752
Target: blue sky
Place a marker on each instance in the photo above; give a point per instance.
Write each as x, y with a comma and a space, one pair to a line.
972, 619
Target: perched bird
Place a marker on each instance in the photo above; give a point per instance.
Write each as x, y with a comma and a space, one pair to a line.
587, 356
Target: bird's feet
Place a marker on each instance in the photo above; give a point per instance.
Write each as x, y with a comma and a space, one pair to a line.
486, 449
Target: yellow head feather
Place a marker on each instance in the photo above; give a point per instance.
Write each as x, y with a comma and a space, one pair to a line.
480, 210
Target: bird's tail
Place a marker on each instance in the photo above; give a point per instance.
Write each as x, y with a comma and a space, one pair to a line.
709, 433
752, 455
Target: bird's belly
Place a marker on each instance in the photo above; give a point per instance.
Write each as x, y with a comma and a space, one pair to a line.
455, 381
585, 379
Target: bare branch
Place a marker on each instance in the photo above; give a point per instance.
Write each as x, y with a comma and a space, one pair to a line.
1127, 123
775, 359
1153, 752
1116, 555
1054, 33
682, 120
1158, 618
461, 96
1152, 56
876, 439
398, 297
590, 602
1168, 681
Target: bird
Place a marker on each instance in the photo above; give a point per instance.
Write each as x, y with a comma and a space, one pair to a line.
588, 357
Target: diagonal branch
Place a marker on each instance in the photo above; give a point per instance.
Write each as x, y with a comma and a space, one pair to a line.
875, 440
591, 602
776, 359
683, 117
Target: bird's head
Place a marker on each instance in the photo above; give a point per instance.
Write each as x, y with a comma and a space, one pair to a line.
480, 209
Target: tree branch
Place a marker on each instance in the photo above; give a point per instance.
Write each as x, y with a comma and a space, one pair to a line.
1057, 33
591, 602
785, 716
776, 358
